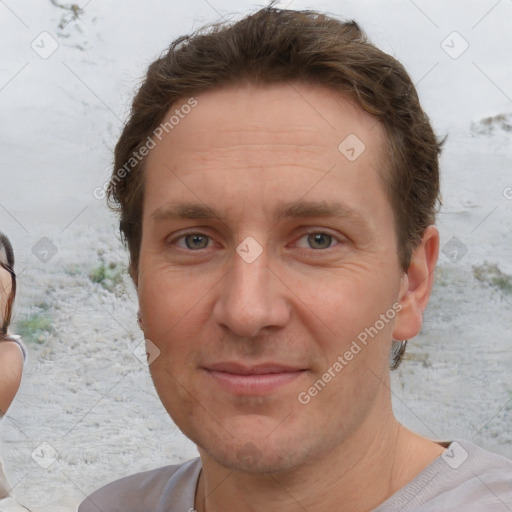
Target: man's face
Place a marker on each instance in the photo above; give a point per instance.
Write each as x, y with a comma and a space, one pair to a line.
243, 334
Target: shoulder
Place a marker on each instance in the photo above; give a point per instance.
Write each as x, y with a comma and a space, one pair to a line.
11, 358
12, 344
465, 461
480, 479
150, 491
465, 477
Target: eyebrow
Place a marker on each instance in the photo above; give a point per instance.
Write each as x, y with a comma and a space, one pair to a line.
186, 211
295, 209
301, 209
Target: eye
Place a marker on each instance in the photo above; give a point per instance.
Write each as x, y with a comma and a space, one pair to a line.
317, 240
193, 241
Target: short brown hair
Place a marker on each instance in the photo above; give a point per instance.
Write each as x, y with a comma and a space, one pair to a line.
277, 46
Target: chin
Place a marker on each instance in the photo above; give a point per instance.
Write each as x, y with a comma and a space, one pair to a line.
253, 450
249, 458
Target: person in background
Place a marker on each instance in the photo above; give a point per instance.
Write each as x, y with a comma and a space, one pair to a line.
12, 354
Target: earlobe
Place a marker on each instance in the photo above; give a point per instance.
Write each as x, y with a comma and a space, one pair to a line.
416, 286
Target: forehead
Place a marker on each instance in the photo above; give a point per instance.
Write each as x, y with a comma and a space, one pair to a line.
295, 113
282, 137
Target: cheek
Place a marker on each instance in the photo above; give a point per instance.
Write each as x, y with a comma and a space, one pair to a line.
173, 304
162, 302
170, 312
346, 300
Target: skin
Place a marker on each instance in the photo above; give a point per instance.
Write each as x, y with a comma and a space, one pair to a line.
5, 291
11, 359
247, 151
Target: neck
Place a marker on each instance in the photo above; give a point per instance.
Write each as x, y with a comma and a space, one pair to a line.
360, 474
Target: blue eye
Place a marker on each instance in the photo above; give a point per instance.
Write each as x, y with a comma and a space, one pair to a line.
195, 241
319, 240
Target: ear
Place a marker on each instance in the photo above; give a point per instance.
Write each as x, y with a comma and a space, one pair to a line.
416, 286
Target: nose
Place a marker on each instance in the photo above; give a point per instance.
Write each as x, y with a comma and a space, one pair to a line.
251, 298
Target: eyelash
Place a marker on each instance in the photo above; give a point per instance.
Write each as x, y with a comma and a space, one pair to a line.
335, 238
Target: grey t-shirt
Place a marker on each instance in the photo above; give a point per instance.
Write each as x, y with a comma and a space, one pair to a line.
464, 478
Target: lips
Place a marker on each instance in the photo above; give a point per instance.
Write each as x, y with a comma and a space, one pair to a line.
260, 369
258, 379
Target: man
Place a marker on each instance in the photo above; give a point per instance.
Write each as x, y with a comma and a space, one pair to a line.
277, 183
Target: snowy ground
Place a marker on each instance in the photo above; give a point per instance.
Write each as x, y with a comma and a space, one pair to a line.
85, 395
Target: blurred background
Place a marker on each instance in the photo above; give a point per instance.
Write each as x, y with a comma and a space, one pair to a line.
87, 412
